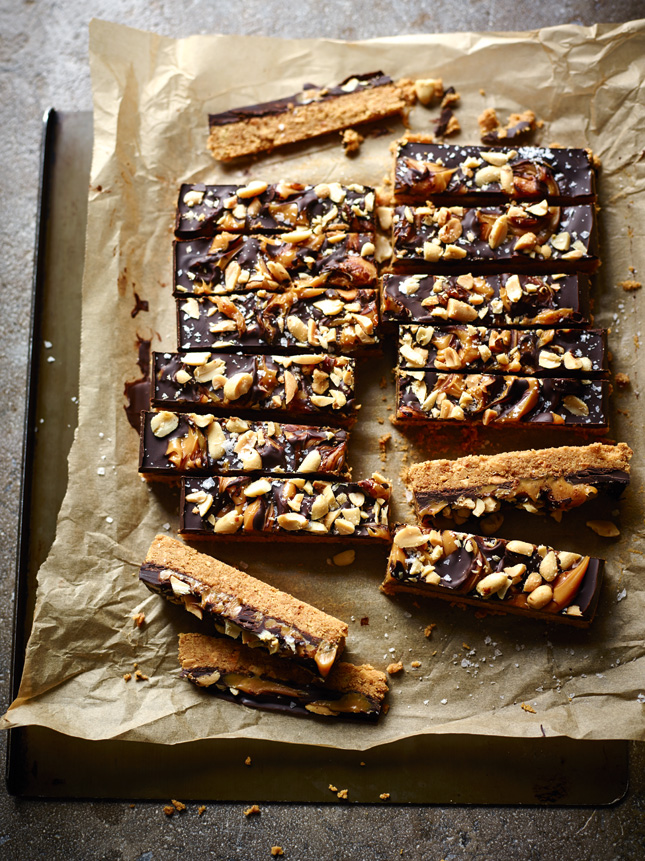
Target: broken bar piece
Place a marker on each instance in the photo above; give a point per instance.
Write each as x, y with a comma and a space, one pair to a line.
174, 444
503, 401
234, 263
478, 176
475, 349
319, 388
535, 237
494, 574
313, 112
490, 300
538, 481
242, 675
334, 320
259, 207
271, 508
242, 607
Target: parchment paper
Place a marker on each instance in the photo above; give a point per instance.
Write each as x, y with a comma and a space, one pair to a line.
151, 98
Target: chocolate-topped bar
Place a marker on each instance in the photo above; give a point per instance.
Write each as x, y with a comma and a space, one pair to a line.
475, 349
490, 300
260, 207
242, 607
270, 509
234, 263
525, 237
478, 176
319, 388
537, 481
308, 114
502, 400
245, 676
334, 320
494, 574
174, 444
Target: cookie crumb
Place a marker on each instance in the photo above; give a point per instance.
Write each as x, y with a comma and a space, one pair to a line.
247, 761
362, 764
201, 810
393, 669
333, 788
429, 629
342, 793
622, 380
415, 664
139, 619
352, 141
140, 677
629, 285
383, 382
384, 796
277, 850
169, 810
127, 676
528, 708
255, 808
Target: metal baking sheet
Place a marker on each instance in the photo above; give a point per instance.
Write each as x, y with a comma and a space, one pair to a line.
447, 769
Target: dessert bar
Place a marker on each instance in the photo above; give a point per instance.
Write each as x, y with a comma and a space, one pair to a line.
475, 349
174, 444
478, 176
491, 300
538, 481
333, 320
308, 114
242, 607
523, 237
269, 508
501, 576
501, 399
320, 388
245, 676
234, 263
259, 207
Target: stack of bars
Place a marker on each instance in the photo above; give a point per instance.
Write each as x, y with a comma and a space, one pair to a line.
492, 252
276, 292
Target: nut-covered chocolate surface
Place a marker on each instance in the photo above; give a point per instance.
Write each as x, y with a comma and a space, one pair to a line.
475, 349
491, 300
513, 576
334, 320
316, 386
502, 400
233, 263
479, 175
270, 508
525, 237
259, 207
174, 444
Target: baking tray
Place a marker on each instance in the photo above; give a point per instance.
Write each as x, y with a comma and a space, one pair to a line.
438, 769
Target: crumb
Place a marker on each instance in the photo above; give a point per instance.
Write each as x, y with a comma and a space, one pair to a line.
201, 810
277, 850
255, 808
332, 787
386, 708
384, 796
383, 441
429, 629
140, 677
434, 653
482, 91
139, 619
132, 806
428, 90
451, 98
380, 420
365, 620
487, 120
393, 669
361, 763
383, 382
178, 805
415, 664
622, 380
247, 761
528, 708
352, 141
342, 793
127, 676
629, 285
169, 810
465, 646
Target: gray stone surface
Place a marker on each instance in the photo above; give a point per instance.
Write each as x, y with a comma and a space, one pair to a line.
43, 62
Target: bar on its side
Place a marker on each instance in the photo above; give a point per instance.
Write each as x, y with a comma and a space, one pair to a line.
313, 112
242, 675
260, 207
502, 400
286, 509
475, 349
489, 300
451, 174
526, 237
175, 444
313, 387
495, 574
538, 481
303, 318
242, 607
